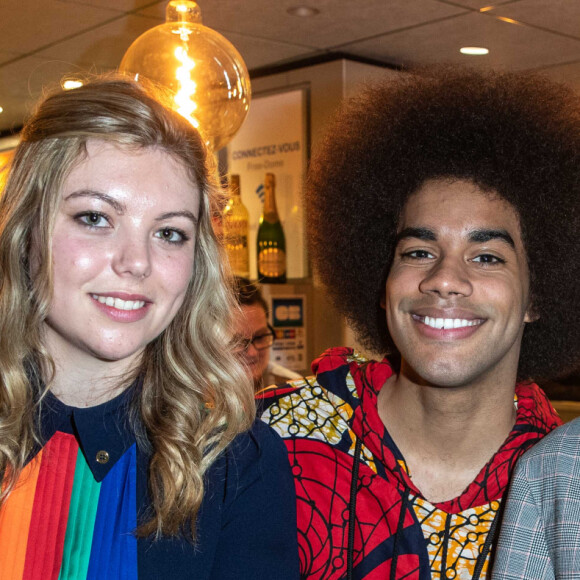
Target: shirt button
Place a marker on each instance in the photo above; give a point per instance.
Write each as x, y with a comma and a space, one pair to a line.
102, 457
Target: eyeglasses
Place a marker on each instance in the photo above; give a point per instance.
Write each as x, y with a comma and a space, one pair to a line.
260, 342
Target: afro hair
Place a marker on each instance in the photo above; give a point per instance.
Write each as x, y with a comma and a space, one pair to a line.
515, 134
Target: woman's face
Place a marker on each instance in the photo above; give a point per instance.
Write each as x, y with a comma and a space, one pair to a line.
123, 249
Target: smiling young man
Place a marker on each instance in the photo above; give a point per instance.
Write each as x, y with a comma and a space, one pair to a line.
443, 215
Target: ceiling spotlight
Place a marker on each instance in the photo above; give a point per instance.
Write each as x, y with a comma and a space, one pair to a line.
1, 110
474, 50
304, 11
71, 84
508, 20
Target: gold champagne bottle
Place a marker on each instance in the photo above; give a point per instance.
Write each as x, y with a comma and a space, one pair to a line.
236, 228
271, 239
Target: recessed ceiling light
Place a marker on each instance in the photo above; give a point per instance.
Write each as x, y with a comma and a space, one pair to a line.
71, 84
303, 11
1, 110
508, 20
474, 50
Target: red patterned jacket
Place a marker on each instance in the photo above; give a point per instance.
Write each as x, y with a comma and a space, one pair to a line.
359, 514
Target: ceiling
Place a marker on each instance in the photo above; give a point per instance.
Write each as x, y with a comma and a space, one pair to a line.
43, 40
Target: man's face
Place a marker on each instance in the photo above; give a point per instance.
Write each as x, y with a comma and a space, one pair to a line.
250, 324
457, 294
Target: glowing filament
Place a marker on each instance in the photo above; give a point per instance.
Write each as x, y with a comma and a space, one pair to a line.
187, 87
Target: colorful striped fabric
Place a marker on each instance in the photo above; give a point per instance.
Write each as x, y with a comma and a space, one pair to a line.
61, 524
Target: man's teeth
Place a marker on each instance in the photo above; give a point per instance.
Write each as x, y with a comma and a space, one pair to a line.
447, 323
118, 303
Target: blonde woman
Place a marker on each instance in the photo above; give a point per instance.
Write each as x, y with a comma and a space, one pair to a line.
127, 442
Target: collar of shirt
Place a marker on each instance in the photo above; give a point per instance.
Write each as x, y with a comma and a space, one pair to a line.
104, 432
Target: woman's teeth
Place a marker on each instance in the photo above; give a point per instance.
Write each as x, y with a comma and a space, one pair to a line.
118, 303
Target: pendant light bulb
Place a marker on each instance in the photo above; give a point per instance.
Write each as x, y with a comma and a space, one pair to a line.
205, 73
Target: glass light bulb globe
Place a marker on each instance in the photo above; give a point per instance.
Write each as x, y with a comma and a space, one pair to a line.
202, 68
5, 158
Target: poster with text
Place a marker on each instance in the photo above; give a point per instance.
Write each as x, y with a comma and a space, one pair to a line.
273, 139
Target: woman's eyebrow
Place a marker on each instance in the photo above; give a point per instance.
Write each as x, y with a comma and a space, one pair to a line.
117, 206
120, 208
171, 214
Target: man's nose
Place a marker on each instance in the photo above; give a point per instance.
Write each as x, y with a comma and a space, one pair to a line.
251, 350
448, 277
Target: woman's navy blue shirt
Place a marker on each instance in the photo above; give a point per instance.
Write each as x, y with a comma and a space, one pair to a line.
246, 527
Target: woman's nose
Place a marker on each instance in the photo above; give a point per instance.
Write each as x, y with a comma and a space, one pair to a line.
132, 257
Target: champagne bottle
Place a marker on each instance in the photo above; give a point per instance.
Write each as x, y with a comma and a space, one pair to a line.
236, 229
271, 240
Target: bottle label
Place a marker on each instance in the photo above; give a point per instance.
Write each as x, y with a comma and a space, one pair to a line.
235, 231
239, 262
236, 243
272, 262
239, 240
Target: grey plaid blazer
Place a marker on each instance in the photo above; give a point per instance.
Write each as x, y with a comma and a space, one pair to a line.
540, 534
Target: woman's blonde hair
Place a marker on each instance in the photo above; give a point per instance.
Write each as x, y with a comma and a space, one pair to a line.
195, 397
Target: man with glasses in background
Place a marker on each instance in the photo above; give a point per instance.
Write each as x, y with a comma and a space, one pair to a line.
255, 336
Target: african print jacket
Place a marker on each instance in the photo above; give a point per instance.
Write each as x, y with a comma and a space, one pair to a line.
359, 514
